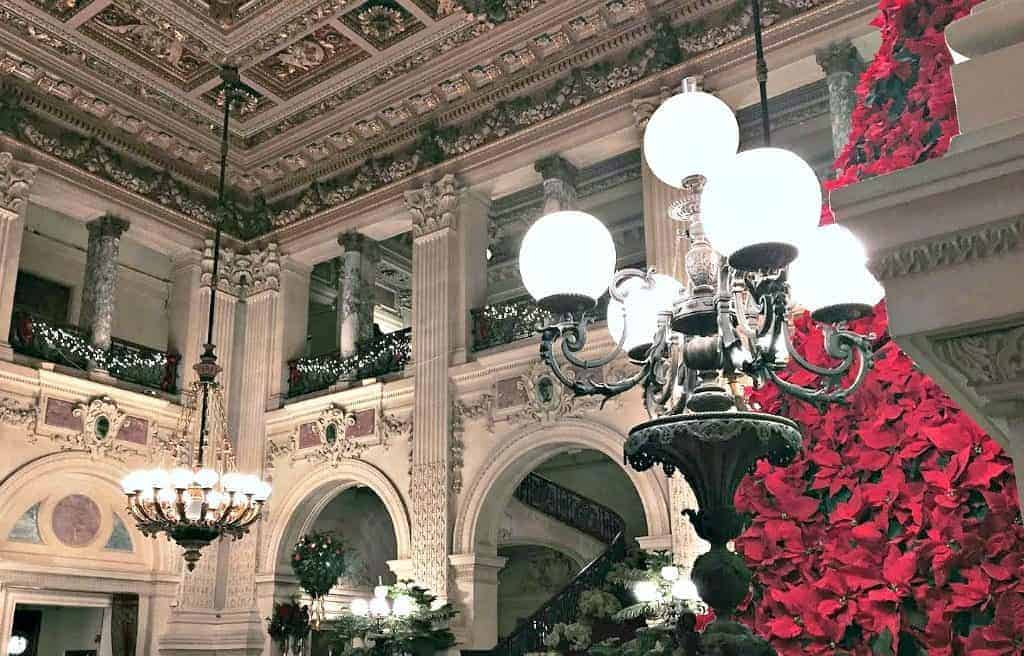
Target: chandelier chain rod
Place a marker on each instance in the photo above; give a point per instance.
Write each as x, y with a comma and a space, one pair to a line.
762, 71
229, 93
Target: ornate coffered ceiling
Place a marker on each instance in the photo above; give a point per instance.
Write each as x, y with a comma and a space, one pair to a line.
351, 95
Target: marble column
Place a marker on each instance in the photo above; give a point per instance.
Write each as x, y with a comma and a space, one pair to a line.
99, 290
448, 278
559, 181
842, 65
16, 179
357, 272
664, 238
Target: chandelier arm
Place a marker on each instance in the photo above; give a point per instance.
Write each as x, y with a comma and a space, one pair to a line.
839, 350
574, 340
157, 508
625, 274
822, 396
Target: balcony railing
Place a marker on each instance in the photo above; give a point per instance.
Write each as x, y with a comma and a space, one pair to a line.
511, 321
68, 346
383, 355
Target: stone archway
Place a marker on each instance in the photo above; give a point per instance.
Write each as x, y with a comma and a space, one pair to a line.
302, 505
477, 521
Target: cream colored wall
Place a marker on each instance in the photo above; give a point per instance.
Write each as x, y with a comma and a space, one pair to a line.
54, 248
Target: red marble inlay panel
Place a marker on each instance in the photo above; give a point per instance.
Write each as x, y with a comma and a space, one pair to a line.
58, 413
76, 520
307, 436
366, 424
135, 430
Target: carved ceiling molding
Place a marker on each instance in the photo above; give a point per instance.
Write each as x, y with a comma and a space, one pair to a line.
949, 250
456, 138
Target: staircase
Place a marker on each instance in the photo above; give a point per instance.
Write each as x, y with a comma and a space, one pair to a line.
586, 516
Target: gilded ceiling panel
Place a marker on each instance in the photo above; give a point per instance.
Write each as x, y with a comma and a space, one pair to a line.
254, 103
383, 22
62, 9
156, 45
308, 61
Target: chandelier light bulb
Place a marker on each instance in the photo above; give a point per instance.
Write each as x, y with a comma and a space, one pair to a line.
379, 607
692, 133
830, 278
760, 209
646, 592
17, 645
639, 311
206, 478
566, 261
160, 479
134, 482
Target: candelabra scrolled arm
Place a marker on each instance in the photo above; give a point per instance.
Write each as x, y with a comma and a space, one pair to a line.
573, 339
846, 346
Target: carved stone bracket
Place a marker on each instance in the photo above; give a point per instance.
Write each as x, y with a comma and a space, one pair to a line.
16, 180
992, 363
434, 206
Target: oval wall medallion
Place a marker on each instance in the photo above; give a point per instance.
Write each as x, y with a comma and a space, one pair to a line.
76, 520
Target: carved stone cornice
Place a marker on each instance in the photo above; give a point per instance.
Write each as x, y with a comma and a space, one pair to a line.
964, 247
992, 357
434, 206
16, 180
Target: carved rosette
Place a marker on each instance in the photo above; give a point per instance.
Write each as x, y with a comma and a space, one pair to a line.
434, 206
16, 179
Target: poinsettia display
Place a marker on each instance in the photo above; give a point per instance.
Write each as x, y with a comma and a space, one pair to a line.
897, 531
289, 626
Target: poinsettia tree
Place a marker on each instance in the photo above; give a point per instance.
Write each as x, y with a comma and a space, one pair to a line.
897, 531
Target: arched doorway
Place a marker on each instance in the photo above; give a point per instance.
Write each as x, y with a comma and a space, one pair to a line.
478, 527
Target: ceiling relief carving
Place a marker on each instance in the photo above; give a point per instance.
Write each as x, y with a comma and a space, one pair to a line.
156, 44
356, 94
305, 62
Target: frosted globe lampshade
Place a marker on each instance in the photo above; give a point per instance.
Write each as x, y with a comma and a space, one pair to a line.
379, 607
670, 572
17, 645
684, 590
830, 278
206, 478
692, 133
134, 482
759, 209
360, 607
160, 479
566, 261
181, 478
262, 492
646, 592
403, 606
638, 313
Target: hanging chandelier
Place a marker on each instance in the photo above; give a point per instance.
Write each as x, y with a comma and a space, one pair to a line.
756, 255
203, 497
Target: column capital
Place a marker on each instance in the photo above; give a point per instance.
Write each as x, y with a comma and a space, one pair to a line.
16, 179
644, 108
357, 242
556, 167
433, 206
107, 226
266, 269
839, 57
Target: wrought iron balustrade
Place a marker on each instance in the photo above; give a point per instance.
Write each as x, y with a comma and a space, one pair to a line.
587, 516
69, 346
511, 321
583, 514
384, 355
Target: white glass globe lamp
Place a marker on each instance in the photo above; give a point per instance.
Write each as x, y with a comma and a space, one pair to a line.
830, 278
403, 606
17, 645
360, 607
692, 133
670, 572
639, 311
759, 209
566, 261
685, 590
646, 592
379, 607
